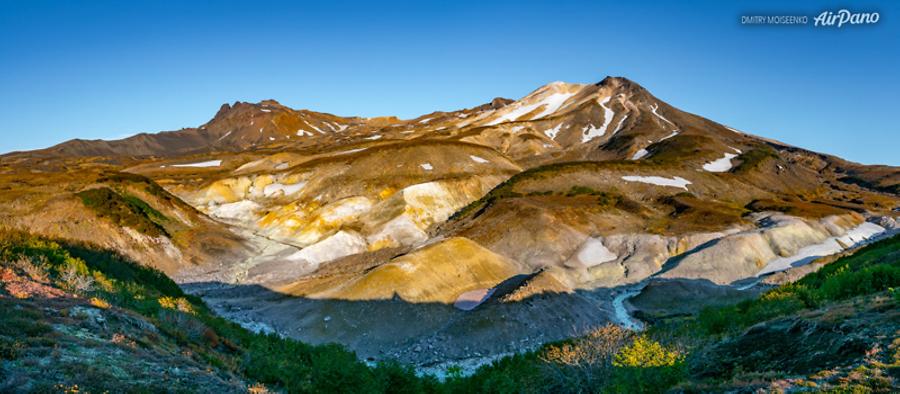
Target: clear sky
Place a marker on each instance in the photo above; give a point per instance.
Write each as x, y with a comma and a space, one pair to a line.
108, 69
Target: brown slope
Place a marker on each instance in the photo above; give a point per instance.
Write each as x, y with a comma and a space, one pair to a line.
236, 127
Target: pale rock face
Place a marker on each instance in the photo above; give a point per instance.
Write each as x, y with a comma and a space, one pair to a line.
329, 218
888, 223
345, 210
279, 189
732, 258
631, 258
642, 255
289, 264
404, 217
782, 243
401, 230
826, 247
341, 244
791, 234
227, 190
241, 211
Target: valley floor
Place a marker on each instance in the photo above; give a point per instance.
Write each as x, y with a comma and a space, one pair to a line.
434, 336
80, 319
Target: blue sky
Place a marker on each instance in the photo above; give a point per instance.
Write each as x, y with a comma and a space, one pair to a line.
107, 69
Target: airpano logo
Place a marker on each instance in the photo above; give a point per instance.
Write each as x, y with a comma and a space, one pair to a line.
836, 19
845, 17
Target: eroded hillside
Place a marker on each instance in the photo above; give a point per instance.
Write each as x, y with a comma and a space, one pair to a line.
456, 235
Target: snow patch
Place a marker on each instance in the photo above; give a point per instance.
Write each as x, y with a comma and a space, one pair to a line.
674, 133
619, 126
720, 165
593, 252
551, 133
426, 166
639, 154
590, 132
551, 103
654, 108
477, 159
210, 163
659, 181
374, 137
608, 115
301, 133
350, 151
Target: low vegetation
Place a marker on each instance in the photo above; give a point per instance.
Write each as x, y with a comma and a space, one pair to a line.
506, 189
688, 213
675, 149
795, 208
124, 210
753, 158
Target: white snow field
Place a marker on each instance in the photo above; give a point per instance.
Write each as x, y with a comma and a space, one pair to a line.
210, 163
720, 165
659, 181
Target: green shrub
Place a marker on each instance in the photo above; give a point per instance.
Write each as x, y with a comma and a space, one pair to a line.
124, 211
872, 269
646, 366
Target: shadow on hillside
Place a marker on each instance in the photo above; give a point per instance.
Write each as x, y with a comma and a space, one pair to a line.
423, 333
411, 332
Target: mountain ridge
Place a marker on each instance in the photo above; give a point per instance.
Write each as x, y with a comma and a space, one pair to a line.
558, 206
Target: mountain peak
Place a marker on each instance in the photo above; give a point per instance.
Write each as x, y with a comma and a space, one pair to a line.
620, 83
270, 103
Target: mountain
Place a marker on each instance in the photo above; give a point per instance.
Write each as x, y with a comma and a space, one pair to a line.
478, 232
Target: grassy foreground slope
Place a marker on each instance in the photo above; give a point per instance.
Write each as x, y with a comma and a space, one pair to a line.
74, 318
835, 330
